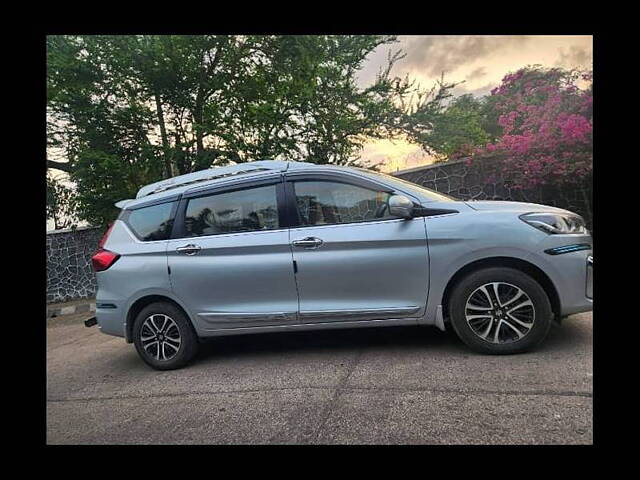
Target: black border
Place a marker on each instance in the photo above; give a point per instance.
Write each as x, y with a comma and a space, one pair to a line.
611, 386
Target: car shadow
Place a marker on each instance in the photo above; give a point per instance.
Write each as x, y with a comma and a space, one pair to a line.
572, 333
567, 336
339, 340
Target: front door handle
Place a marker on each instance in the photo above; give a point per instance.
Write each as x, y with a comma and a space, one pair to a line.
308, 242
190, 249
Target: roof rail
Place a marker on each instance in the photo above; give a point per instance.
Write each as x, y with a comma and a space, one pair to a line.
210, 174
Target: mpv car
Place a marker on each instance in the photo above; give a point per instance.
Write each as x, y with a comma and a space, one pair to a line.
274, 246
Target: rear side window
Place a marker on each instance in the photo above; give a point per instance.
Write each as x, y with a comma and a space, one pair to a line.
248, 210
152, 223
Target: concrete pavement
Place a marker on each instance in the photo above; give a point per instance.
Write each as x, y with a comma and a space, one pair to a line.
381, 386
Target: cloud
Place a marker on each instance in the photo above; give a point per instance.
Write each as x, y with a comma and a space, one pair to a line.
477, 73
435, 54
575, 57
476, 92
394, 154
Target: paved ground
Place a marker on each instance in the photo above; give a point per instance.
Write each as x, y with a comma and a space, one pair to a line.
72, 307
384, 386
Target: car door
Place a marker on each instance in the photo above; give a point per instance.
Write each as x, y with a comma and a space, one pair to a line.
232, 263
354, 262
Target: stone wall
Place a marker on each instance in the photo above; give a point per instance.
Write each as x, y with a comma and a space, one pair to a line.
480, 181
69, 273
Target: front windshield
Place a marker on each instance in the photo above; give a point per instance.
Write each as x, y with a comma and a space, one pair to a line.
432, 195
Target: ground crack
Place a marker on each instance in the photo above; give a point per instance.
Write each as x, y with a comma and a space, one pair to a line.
337, 391
336, 394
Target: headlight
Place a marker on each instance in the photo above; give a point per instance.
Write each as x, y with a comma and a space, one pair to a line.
555, 223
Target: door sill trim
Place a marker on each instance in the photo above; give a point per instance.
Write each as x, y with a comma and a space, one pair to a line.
349, 315
389, 322
226, 319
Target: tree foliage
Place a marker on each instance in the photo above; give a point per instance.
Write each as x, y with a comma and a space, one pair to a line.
129, 110
546, 122
61, 204
464, 124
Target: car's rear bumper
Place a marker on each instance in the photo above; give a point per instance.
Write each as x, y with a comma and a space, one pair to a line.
110, 316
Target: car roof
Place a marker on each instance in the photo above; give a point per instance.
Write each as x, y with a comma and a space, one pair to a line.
175, 186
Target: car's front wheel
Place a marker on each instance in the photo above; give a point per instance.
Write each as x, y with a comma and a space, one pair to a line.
500, 310
163, 336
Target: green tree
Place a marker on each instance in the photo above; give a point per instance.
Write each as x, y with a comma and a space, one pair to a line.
465, 123
61, 204
130, 110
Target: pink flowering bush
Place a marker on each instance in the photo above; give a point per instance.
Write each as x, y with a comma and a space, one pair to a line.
547, 129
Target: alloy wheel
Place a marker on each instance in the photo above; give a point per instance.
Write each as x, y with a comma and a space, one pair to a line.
160, 337
499, 312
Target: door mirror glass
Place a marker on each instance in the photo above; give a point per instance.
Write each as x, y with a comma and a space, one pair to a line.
400, 206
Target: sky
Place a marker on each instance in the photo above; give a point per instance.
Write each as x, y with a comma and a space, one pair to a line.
480, 61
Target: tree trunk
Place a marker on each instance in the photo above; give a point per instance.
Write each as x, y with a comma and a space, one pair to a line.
181, 162
198, 116
168, 165
202, 158
64, 166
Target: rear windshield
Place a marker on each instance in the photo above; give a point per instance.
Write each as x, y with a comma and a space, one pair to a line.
151, 223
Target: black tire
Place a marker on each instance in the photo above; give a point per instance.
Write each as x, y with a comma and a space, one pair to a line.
188, 346
469, 284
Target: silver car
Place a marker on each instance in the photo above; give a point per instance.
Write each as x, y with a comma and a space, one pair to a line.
285, 246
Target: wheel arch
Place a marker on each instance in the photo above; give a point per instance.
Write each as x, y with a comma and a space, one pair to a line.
137, 306
523, 266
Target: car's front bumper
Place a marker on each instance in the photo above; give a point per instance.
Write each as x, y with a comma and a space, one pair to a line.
571, 273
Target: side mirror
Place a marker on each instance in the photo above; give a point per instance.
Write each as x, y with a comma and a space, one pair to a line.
400, 206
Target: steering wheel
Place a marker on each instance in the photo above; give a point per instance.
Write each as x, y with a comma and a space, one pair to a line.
380, 210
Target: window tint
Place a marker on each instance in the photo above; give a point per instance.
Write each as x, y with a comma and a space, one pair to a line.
323, 203
401, 184
152, 223
240, 211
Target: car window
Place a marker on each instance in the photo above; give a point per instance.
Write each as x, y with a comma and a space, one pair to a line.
410, 187
151, 223
248, 210
326, 202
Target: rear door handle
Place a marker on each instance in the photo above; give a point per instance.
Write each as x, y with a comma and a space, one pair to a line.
190, 249
308, 242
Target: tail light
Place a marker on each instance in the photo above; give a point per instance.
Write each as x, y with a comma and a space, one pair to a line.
103, 259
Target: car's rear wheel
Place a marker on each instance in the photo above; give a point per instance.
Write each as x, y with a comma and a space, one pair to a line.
164, 337
500, 310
